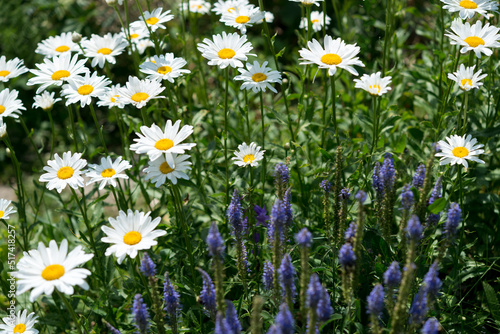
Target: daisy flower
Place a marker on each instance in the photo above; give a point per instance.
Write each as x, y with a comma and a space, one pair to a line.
131, 232
3, 128
374, 83
139, 92
57, 45
258, 78
83, 89
153, 20
10, 105
226, 49
6, 209
196, 6
45, 101
468, 8
22, 323
136, 33
46, 268
57, 70
143, 44
335, 54
308, 2
221, 6
242, 17
159, 170
476, 37
164, 67
11, 69
459, 149
108, 171
317, 20
65, 171
248, 155
110, 97
104, 49
466, 78
155, 142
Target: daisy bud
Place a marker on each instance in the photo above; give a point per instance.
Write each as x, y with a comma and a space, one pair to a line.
111, 2
76, 37
3, 128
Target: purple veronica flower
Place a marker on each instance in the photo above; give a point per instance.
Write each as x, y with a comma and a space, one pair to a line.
207, 295
261, 215
350, 233
375, 301
414, 229
232, 318
267, 276
407, 198
140, 314
214, 241
361, 196
284, 320
304, 238
287, 275
281, 174
221, 326
325, 186
345, 194
431, 326
419, 307
347, 258
454, 218
235, 216
419, 177
147, 267
432, 282
170, 297
392, 276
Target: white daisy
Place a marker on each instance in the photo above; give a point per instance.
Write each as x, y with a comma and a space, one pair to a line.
130, 233
136, 33
159, 170
22, 323
466, 78
476, 37
45, 101
248, 155
374, 83
108, 171
57, 70
269, 17
10, 105
226, 49
242, 17
83, 89
65, 171
468, 8
258, 78
110, 97
11, 69
155, 142
57, 45
139, 92
3, 128
308, 2
459, 149
196, 6
317, 20
6, 209
153, 20
46, 268
143, 44
335, 54
104, 49
222, 6
164, 67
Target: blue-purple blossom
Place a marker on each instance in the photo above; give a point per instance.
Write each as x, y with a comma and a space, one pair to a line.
344, 194
419, 307
324, 309
233, 323
432, 283
281, 174
274, 329
314, 291
170, 297
278, 221
284, 320
414, 229
287, 203
419, 177
261, 215
347, 258
287, 276
221, 326
407, 198
112, 330
433, 218
361, 196
140, 314
207, 295
384, 176
326, 186
147, 267
378, 182
267, 276
304, 238
392, 276
350, 233
453, 220
375, 301
235, 216
431, 326
214, 241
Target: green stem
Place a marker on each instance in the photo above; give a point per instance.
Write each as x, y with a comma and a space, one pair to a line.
375, 125
73, 129
263, 146
71, 310
29, 134
226, 133
53, 134
334, 109
99, 130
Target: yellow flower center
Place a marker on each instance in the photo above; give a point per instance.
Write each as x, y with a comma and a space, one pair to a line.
132, 238
164, 69
165, 168
226, 53
242, 19
152, 20
2, 109
231, 9
196, 6
85, 90
467, 4
466, 81
249, 158
1, 214
474, 41
331, 59
20, 328
113, 98
108, 172
58, 75
258, 77
375, 87
52, 272
164, 144
132, 36
4, 73
65, 173
104, 51
315, 21
460, 152
62, 48
138, 97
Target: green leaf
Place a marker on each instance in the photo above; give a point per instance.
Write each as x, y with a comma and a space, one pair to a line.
437, 206
401, 145
492, 300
